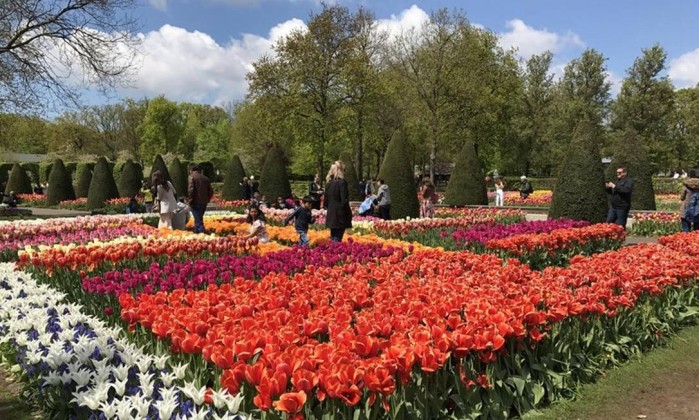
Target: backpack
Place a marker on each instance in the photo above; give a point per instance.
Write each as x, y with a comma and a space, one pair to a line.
691, 212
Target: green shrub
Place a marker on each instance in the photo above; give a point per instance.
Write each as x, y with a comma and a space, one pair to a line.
396, 171
84, 179
630, 154
159, 165
5, 169
72, 168
130, 179
60, 184
351, 178
19, 181
209, 170
32, 168
273, 180
232, 178
580, 192
45, 171
102, 186
467, 182
179, 177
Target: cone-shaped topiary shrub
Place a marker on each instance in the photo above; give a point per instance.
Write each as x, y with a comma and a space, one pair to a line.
102, 186
178, 173
159, 165
466, 184
232, 179
398, 175
351, 177
18, 181
274, 181
208, 170
60, 184
580, 193
130, 180
630, 154
84, 179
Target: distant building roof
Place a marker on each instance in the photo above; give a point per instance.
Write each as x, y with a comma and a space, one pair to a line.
23, 157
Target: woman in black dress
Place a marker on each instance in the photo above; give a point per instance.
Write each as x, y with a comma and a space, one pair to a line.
339, 216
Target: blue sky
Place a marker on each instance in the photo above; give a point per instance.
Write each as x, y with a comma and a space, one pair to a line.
200, 50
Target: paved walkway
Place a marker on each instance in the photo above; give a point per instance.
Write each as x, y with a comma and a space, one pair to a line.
46, 213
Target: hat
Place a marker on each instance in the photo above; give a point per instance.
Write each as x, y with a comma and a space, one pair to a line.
522, 177
308, 199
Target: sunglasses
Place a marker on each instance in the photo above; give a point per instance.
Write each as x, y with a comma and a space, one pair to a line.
619, 172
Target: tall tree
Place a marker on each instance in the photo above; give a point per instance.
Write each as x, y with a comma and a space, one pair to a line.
685, 134
307, 73
536, 113
645, 104
161, 128
43, 42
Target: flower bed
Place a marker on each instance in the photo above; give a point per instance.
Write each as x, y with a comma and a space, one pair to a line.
559, 245
476, 237
655, 224
374, 327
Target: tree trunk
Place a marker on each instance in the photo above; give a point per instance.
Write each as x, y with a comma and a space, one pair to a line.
359, 145
433, 145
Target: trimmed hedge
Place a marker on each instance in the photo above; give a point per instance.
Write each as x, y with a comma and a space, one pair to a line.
18, 181
130, 179
32, 168
397, 172
179, 177
102, 186
60, 184
467, 185
209, 170
630, 154
580, 193
159, 165
232, 178
351, 177
84, 178
45, 171
274, 181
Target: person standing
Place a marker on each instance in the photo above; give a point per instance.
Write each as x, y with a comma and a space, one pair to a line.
147, 195
339, 214
428, 198
165, 195
499, 192
302, 219
199, 193
247, 188
620, 191
316, 192
258, 227
525, 187
383, 199
690, 188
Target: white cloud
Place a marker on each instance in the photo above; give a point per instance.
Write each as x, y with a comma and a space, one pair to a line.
192, 66
412, 18
684, 70
530, 41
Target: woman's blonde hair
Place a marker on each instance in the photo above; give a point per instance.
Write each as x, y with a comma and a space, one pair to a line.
337, 171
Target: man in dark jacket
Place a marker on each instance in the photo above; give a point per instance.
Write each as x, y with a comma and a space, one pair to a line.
621, 198
199, 193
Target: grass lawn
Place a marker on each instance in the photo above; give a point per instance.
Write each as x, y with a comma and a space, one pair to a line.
661, 384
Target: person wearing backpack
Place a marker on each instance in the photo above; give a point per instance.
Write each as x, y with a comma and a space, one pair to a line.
620, 191
689, 202
525, 187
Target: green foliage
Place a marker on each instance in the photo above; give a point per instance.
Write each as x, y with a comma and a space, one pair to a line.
646, 104
630, 154
159, 165
351, 177
208, 169
179, 174
5, 169
274, 181
45, 171
580, 192
102, 186
161, 128
130, 179
60, 184
398, 175
32, 168
466, 184
232, 178
72, 168
19, 181
84, 179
